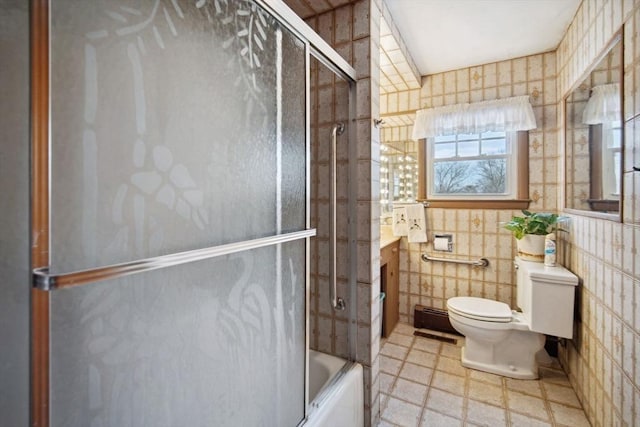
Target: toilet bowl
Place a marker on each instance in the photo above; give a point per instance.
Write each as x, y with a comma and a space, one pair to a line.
505, 342
503, 346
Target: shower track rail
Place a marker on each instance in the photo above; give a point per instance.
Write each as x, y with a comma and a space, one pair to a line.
482, 262
42, 279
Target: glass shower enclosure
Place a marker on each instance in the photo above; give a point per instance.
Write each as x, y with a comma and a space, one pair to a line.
178, 208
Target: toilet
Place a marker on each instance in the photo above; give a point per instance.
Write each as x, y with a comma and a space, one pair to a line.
505, 342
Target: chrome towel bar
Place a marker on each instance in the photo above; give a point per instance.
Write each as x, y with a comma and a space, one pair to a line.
44, 280
482, 262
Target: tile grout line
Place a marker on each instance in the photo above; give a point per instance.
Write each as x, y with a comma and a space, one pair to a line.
384, 404
397, 376
429, 387
505, 397
426, 394
405, 361
466, 396
438, 353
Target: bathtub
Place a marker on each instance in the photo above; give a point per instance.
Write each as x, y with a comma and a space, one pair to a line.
335, 392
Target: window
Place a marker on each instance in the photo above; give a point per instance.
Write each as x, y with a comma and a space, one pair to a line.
488, 170
478, 165
485, 161
602, 114
611, 160
605, 157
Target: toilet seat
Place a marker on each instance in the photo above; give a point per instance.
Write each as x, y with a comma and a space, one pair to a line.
480, 309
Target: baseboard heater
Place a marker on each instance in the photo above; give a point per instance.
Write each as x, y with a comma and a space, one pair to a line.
432, 318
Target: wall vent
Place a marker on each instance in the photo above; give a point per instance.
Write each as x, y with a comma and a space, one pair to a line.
432, 318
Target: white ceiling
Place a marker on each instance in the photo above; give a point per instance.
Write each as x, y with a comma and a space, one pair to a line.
444, 35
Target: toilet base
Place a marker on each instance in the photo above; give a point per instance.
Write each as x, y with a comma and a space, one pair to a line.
510, 371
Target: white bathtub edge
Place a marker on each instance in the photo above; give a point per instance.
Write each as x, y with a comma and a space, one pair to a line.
341, 402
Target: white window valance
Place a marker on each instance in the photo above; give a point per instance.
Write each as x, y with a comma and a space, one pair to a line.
500, 115
603, 105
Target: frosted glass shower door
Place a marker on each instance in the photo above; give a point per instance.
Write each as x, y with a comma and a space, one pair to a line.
177, 127
332, 211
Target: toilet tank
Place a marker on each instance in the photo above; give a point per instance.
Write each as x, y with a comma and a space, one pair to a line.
546, 296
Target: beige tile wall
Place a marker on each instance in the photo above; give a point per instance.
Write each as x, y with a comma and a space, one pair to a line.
603, 360
403, 96
405, 74
329, 105
352, 28
400, 102
476, 232
399, 138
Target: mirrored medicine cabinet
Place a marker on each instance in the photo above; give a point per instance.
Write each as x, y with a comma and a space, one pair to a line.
593, 135
398, 173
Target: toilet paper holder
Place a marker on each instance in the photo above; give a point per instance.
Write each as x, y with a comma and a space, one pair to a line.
443, 242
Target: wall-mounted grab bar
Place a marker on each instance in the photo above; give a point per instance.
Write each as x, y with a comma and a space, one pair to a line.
336, 302
482, 262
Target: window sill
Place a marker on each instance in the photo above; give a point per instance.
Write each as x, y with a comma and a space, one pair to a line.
604, 205
478, 204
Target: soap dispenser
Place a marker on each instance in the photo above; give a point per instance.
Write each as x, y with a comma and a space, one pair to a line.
550, 250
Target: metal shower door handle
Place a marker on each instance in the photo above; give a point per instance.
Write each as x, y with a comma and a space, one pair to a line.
336, 303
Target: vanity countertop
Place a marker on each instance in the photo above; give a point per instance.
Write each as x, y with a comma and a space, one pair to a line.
386, 236
386, 241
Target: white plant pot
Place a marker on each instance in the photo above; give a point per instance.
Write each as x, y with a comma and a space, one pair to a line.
531, 247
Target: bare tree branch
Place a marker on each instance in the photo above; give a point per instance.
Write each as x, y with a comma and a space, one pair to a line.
449, 177
492, 176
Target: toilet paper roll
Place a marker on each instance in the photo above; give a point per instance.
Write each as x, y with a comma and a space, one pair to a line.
441, 244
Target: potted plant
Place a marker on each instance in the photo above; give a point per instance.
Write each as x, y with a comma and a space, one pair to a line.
530, 231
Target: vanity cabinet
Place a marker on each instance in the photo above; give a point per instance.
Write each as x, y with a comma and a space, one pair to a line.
390, 284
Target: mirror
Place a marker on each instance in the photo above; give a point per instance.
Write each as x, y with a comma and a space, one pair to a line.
398, 172
593, 138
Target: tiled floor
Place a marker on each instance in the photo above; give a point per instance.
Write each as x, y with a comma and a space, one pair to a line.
422, 383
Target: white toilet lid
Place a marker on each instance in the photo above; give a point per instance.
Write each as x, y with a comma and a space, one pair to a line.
480, 309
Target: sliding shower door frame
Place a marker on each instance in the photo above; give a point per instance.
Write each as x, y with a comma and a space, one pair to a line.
40, 226
329, 57
41, 189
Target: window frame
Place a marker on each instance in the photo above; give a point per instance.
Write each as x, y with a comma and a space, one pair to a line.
609, 168
599, 155
521, 200
509, 156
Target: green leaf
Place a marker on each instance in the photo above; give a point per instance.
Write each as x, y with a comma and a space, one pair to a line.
532, 223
